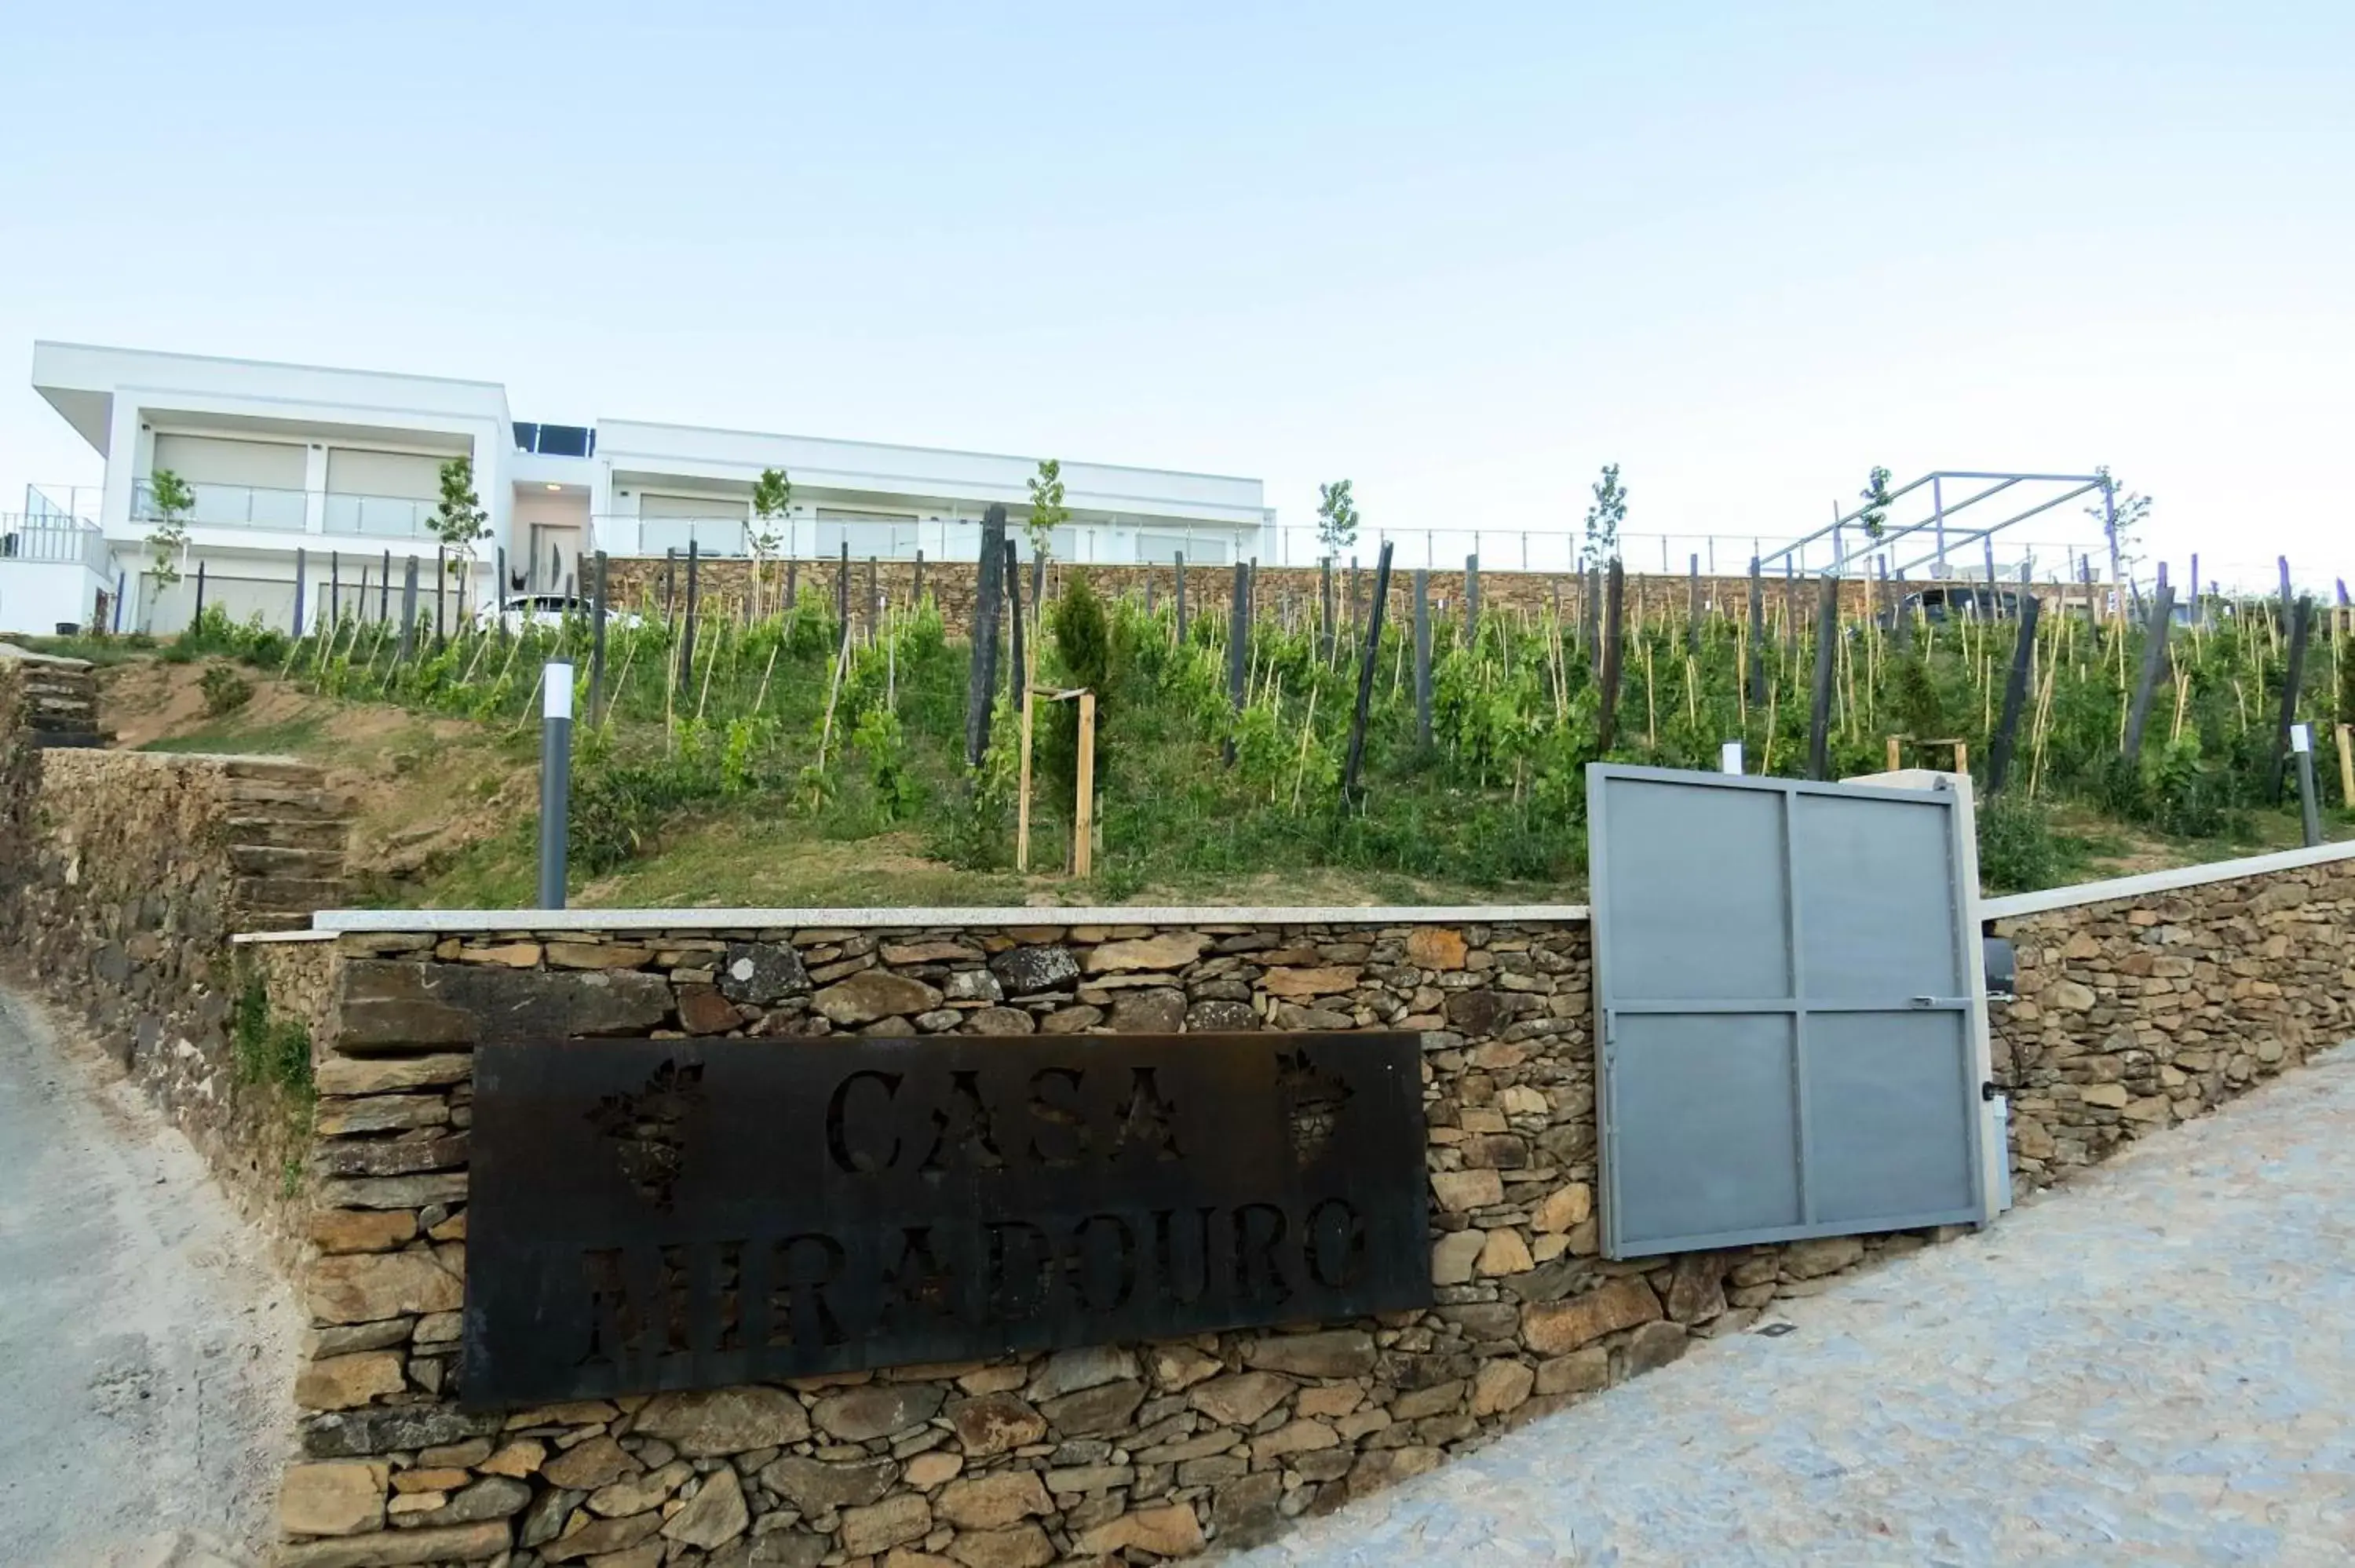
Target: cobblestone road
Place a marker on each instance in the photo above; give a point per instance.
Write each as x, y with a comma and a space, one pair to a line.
2156, 1365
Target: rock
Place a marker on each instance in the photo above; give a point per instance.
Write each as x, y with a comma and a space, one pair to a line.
379, 1113
995, 1422
636, 1494
347, 1076
339, 1497
1820, 1256
761, 972
1435, 948
387, 1157
713, 1421
871, 994
1332, 979
1556, 1327
1158, 1011
1244, 1512
1581, 1372
1096, 1410
1026, 972
519, 1458
1170, 951
1697, 1288
1501, 1385
1656, 1345
1088, 1366
1336, 1353
877, 1410
993, 1501
398, 1548
2070, 997
492, 1497
1220, 1017
2113, 1097
972, 985
926, 1471
596, 955
1459, 1190
389, 1005
602, 1536
894, 1522
1382, 1466
585, 1467
1294, 1437
1564, 1209
999, 1021
1452, 1255
703, 1011
1477, 1012
1504, 1253
928, 950
1238, 1399
778, 1549
939, 1019
361, 1288
713, 1516
813, 1486
1071, 1020
1168, 1531
393, 1191
1024, 1546
361, 1230
353, 1434
341, 1382
1179, 1366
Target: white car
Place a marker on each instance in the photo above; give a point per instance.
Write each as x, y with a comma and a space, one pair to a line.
549, 611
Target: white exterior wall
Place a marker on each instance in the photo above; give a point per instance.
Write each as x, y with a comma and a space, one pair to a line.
119, 400
37, 596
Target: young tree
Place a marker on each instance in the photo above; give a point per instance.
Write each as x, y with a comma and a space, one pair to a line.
1047, 511
1875, 495
1603, 520
168, 540
772, 493
2131, 507
460, 522
1336, 517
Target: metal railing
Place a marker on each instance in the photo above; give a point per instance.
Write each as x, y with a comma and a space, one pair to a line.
43, 538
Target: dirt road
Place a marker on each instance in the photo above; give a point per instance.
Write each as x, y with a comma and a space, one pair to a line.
147, 1343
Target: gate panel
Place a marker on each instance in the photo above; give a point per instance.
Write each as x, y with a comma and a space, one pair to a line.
1785, 978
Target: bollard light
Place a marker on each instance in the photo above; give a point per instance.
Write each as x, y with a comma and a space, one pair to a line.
2310, 806
554, 779
1729, 757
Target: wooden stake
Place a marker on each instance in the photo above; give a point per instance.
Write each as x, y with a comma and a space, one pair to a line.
2347, 767
1083, 810
1300, 769
1896, 756
1022, 795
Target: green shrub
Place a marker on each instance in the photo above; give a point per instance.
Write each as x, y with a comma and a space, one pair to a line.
225, 690
2018, 851
269, 1050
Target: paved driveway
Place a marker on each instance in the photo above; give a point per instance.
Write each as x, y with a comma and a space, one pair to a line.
145, 1344
2155, 1365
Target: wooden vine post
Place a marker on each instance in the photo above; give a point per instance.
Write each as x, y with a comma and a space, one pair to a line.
1821, 712
1422, 657
1350, 792
1613, 629
2301, 626
1238, 652
2154, 660
1083, 810
2347, 766
2015, 693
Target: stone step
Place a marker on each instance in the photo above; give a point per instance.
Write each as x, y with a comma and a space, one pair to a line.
257, 791
279, 862
272, 770
68, 739
322, 830
265, 895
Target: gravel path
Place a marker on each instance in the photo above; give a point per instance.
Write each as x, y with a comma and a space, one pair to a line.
2155, 1365
146, 1344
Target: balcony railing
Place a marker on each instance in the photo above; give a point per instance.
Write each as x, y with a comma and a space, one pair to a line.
46, 539
288, 511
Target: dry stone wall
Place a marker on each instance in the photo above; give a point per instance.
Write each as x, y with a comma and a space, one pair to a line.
723, 588
124, 878
2136, 1013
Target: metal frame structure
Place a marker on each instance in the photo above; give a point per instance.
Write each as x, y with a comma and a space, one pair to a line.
1937, 524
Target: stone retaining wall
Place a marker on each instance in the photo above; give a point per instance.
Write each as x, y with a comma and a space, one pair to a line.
722, 586
1133, 1453
124, 877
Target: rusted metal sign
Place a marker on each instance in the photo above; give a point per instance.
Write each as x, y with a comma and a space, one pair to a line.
682, 1213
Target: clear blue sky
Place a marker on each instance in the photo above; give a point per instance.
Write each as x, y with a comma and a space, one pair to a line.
1463, 255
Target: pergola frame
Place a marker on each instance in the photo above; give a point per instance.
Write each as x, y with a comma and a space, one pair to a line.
1938, 523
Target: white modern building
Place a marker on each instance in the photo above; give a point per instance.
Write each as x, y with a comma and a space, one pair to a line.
340, 470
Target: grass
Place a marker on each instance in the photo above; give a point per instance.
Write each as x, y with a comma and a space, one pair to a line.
225, 736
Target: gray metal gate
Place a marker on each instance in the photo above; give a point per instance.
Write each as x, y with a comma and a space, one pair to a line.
1791, 1010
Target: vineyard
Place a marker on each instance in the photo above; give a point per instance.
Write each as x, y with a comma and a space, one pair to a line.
782, 719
